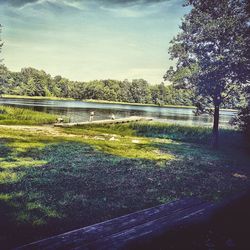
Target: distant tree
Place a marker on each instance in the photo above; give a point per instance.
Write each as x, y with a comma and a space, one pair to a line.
37, 80
155, 95
140, 91
61, 86
1, 44
158, 94
162, 93
124, 94
5, 79
1, 69
110, 90
212, 52
243, 118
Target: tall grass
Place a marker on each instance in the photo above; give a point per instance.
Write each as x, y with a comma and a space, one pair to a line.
201, 135
173, 131
20, 116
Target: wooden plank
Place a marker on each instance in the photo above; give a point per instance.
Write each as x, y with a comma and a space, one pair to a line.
116, 121
147, 232
113, 230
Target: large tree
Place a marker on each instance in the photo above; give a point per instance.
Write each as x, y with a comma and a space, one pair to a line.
212, 52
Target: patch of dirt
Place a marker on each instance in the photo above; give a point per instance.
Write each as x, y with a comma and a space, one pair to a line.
50, 130
45, 130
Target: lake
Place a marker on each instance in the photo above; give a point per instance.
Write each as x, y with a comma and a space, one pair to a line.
79, 111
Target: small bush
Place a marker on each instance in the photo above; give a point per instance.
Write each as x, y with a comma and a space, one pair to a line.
243, 121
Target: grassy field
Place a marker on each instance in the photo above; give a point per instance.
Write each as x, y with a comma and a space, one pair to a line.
72, 177
20, 116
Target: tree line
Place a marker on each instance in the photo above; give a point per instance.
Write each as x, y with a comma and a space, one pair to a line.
33, 82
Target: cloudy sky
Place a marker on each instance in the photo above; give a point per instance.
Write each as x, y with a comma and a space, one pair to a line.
90, 39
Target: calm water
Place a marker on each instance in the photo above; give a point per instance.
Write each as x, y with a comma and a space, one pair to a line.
79, 111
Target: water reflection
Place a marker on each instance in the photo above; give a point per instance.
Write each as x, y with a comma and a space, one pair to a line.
79, 111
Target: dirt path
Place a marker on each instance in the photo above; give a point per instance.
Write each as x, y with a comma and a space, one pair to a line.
49, 130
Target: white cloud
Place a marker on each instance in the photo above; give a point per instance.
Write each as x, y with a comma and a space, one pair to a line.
138, 10
66, 3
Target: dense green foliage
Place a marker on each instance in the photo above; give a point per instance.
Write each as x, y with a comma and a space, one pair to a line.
212, 52
35, 83
20, 116
1, 72
32, 82
57, 180
1, 44
243, 119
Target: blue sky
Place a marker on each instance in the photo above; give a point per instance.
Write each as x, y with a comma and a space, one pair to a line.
91, 39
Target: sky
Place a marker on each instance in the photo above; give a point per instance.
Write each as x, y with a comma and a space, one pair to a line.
91, 39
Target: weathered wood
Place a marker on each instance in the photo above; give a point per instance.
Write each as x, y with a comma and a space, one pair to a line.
103, 122
146, 232
118, 232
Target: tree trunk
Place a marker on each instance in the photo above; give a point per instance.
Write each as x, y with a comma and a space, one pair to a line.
215, 139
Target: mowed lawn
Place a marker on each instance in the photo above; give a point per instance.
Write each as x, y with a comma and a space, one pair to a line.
69, 178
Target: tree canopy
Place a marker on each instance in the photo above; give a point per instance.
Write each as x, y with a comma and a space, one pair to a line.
212, 52
33, 82
1, 44
1, 73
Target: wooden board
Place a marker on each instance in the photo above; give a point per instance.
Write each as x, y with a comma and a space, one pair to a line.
119, 232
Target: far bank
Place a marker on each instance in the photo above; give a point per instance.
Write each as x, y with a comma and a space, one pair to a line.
102, 101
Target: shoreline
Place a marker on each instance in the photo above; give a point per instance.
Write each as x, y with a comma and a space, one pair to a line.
103, 101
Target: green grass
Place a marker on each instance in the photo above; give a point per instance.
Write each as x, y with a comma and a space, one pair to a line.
173, 131
194, 134
83, 175
20, 116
